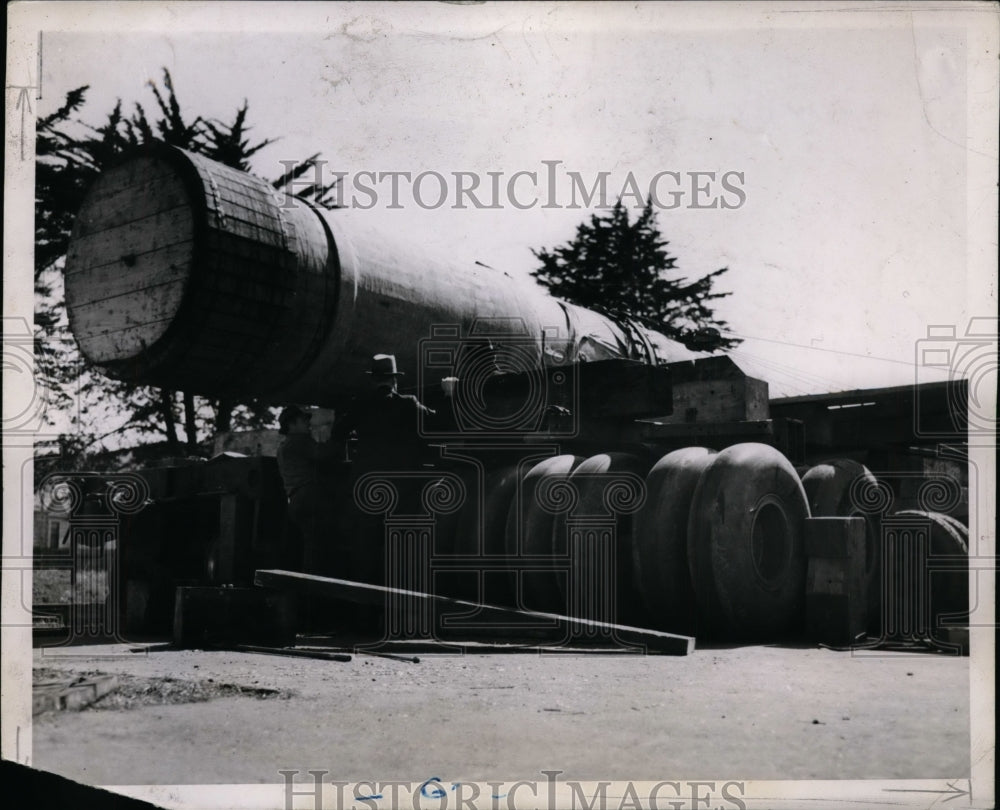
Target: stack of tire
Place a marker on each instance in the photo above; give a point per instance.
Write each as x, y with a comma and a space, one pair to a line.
711, 543
719, 545
705, 543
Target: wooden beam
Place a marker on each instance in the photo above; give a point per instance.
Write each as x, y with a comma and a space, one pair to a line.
70, 693
290, 652
363, 593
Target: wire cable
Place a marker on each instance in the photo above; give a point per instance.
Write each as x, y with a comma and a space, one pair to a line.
896, 360
789, 371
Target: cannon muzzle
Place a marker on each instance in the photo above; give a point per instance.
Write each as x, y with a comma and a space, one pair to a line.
188, 274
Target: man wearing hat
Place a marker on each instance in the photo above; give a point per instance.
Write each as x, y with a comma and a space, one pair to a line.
387, 422
307, 469
387, 425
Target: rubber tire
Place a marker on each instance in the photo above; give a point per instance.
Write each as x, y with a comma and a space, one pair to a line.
958, 526
628, 608
498, 491
949, 589
736, 599
828, 490
529, 534
659, 547
446, 529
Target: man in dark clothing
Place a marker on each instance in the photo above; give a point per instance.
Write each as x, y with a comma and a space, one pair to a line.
308, 471
387, 423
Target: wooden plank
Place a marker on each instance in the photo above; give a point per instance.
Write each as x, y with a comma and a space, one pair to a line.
260, 212
222, 332
115, 279
468, 646
70, 695
167, 256
254, 233
137, 201
131, 304
243, 184
121, 344
291, 652
136, 236
128, 310
149, 171
363, 593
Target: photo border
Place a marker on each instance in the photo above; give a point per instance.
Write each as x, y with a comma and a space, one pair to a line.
26, 20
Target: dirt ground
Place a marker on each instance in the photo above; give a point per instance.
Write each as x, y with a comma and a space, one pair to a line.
755, 712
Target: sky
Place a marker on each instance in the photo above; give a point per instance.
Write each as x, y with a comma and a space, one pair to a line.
855, 138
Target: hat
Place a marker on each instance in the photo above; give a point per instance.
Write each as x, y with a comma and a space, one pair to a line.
384, 365
289, 415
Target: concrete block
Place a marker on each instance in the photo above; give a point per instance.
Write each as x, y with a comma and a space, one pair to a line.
836, 603
836, 594
835, 537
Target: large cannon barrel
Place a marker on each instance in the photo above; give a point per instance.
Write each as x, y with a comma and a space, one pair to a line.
185, 273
